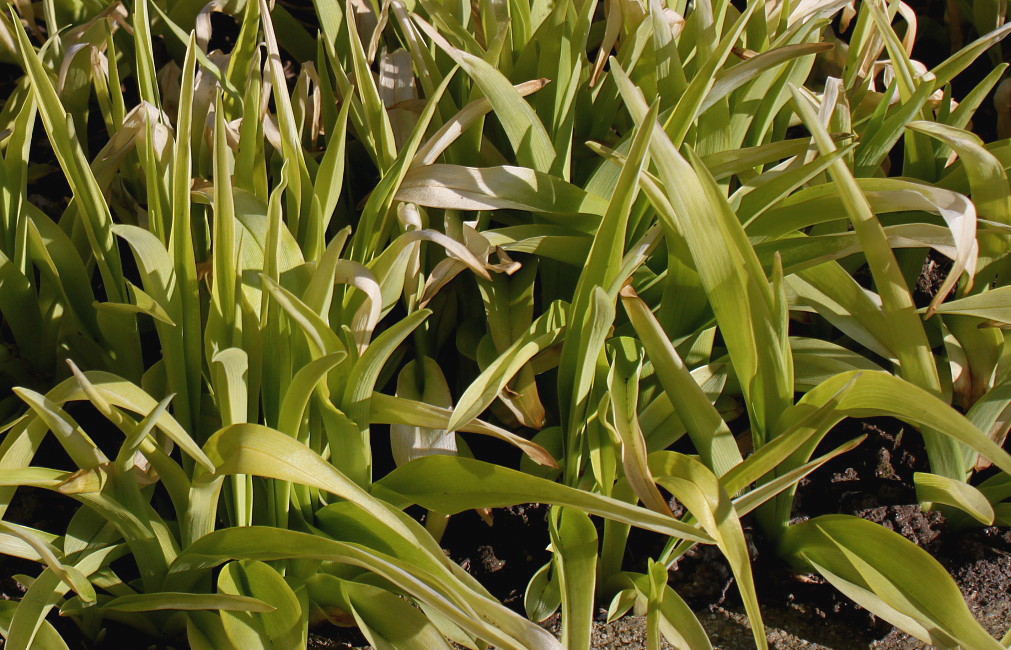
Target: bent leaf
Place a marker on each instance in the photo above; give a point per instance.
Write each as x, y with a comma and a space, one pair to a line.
931, 488
885, 573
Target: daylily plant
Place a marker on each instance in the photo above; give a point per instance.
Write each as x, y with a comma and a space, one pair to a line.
587, 230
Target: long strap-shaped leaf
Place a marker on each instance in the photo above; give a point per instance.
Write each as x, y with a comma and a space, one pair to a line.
623, 388
356, 401
388, 409
543, 333
529, 138
880, 393
261, 451
297, 178
911, 347
701, 492
28, 624
46, 635
987, 177
477, 614
710, 435
92, 207
181, 245
749, 316
886, 573
451, 484
224, 326
593, 303
574, 541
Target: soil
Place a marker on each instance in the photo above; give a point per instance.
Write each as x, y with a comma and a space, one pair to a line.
504, 555
874, 482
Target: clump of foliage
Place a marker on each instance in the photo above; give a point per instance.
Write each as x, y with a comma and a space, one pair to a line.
587, 230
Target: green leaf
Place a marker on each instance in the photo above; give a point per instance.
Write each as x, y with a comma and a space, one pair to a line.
296, 176
710, 435
886, 573
875, 145
451, 484
90, 202
118, 392
42, 595
931, 488
453, 128
186, 602
574, 541
494, 623
623, 385
543, 333
993, 305
959, 61
67, 573
204, 631
145, 65
741, 296
730, 79
530, 140
360, 385
78, 445
280, 626
322, 340
674, 618
785, 480
47, 638
500, 188
390, 622
592, 313
388, 409
543, 594
816, 360
682, 118
20, 308
200, 55
700, 491
300, 390
879, 393
989, 182
912, 348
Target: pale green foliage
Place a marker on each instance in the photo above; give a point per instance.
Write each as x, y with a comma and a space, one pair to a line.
407, 223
